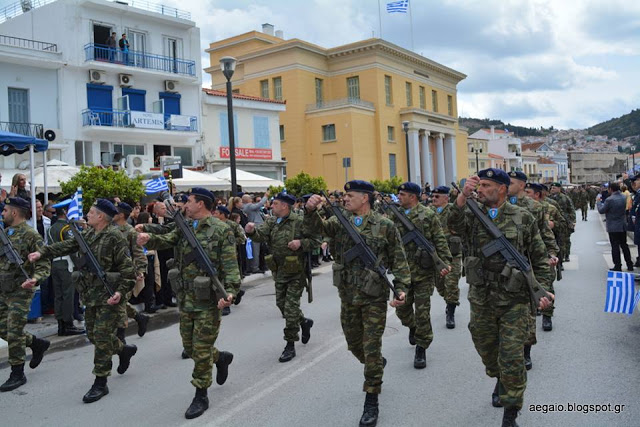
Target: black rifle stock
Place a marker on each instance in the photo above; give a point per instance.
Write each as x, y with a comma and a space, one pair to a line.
90, 260
201, 257
360, 249
309, 274
10, 252
501, 245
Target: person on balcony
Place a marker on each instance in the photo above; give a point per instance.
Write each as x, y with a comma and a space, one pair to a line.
111, 44
124, 48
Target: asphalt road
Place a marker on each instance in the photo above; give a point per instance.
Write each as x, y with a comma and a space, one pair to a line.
589, 358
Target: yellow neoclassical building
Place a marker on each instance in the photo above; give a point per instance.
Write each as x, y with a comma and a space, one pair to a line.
350, 102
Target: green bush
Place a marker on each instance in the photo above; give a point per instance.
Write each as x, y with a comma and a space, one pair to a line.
303, 183
388, 185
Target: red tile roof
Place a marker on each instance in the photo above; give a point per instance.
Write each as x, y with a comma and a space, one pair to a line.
495, 131
546, 161
240, 96
495, 156
533, 146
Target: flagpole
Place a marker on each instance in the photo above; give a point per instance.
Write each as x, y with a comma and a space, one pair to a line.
411, 26
379, 20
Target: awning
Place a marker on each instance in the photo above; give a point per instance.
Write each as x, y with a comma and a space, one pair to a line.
14, 143
250, 182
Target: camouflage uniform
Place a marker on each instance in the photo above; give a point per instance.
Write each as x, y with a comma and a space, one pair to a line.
500, 307
287, 266
199, 314
582, 203
15, 302
140, 264
101, 319
363, 315
591, 196
448, 286
423, 275
241, 239
569, 212
559, 230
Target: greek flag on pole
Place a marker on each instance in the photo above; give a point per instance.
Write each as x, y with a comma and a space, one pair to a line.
156, 185
394, 198
75, 209
621, 297
400, 6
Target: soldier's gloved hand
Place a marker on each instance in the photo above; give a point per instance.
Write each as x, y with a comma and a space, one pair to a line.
115, 299
313, 202
546, 302
250, 227
397, 302
222, 303
142, 239
29, 284
445, 271
139, 228
294, 245
34, 256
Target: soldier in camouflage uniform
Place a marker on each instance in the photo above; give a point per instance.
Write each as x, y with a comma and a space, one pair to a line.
448, 287
591, 196
582, 202
140, 263
16, 293
363, 295
222, 213
102, 312
197, 300
284, 234
423, 274
499, 297
569, 213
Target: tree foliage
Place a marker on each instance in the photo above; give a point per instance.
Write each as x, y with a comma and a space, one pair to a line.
99, 182
475, 125
303, 183
621, 127
388, 185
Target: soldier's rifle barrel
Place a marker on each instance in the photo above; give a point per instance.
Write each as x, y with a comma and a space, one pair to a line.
10, 252
85, 250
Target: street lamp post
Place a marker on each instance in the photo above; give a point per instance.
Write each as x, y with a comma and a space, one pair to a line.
228, 66
405, 128
477, 151
633, 162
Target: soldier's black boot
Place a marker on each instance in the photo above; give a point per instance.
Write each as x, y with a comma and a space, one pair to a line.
637, 264
226, 311
495, 396
128, 351
509, 417
420, 360
185, 355
546, 323
199, 404
60, 328
370, 414
527, 357
120, 333
97, 391
142, 320
70, 329
222, 366
16, 378
238, 297
38, 347
288, 353
412, 336
451, 320
306, 330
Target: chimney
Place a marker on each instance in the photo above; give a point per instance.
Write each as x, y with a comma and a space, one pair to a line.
280, 34
267, 29
493, 132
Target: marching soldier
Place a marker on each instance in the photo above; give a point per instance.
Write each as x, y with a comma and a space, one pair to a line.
448, 287
199, 309
363, 295
423, 274
288, 243
569, 212
500, 305
582, 202
16, 293
102, 313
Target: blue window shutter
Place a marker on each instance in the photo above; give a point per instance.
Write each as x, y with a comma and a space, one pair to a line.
224, 130
136, 98
261, 132
99, 97
171, 103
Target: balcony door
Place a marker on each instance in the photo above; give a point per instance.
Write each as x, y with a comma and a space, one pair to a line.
19, 111
101, 34
172, 50
138, 45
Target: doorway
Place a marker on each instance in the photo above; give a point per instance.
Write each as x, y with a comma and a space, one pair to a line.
101, 33
160, 150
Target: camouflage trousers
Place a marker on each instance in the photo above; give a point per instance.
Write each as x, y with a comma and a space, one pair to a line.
416, 311
101, 322
14, 309
199, 331
126, 311
363, 326
499, 334
585, 211
549, 311
448, 286
288, 293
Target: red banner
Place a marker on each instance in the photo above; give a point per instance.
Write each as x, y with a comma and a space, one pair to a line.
247, 153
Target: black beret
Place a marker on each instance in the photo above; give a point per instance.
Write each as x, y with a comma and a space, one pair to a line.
19, 203
442, 189
223, 209
410, 187
360, 186
496, 175
544, 187
518, 175
306, 197
182, 198
202, 192
287, 198
535, 187
106, 206
124, 208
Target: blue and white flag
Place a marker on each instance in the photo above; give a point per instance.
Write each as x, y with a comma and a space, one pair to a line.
157, 185
400, 6
74, 211
394, 198
621, 296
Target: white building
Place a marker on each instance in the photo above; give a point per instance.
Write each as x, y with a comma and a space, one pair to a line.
145, 101
559, 158
257, 133
503, 144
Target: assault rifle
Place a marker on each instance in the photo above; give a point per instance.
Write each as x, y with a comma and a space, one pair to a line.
10, 252
198, 253
360, 249
90, 260
308, 273
501, 245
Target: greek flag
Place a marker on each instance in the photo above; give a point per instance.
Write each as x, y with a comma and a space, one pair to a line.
398, 6
394, 198
620, 293
74, 211
157, 185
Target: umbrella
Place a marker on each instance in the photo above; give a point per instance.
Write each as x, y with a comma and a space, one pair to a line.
57, 172
249, 181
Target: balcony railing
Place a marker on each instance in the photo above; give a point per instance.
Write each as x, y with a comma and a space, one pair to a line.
124, 119
134, 58
158, 8
28, 44
344, 102
20, 7
28, 129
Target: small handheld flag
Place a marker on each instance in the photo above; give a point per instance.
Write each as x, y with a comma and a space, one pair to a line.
74, 211
620, 293
156, 185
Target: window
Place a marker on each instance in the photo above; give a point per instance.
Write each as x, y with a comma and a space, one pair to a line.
277, 88
282, 133
319, 93
423, 101
18, 105
126, 150
391, 134
284, 169
407, 89
353, 88
392, 165
261, 132
264, 88
387, 90
84, 155
434, 100
235, 90
185, 153
482, 165
328, 133
224, 129
450, 105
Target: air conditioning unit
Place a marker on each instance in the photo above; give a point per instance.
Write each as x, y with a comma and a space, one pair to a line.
138, 165
54, 136
170, 86
110, 159
97, 77
126, 80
